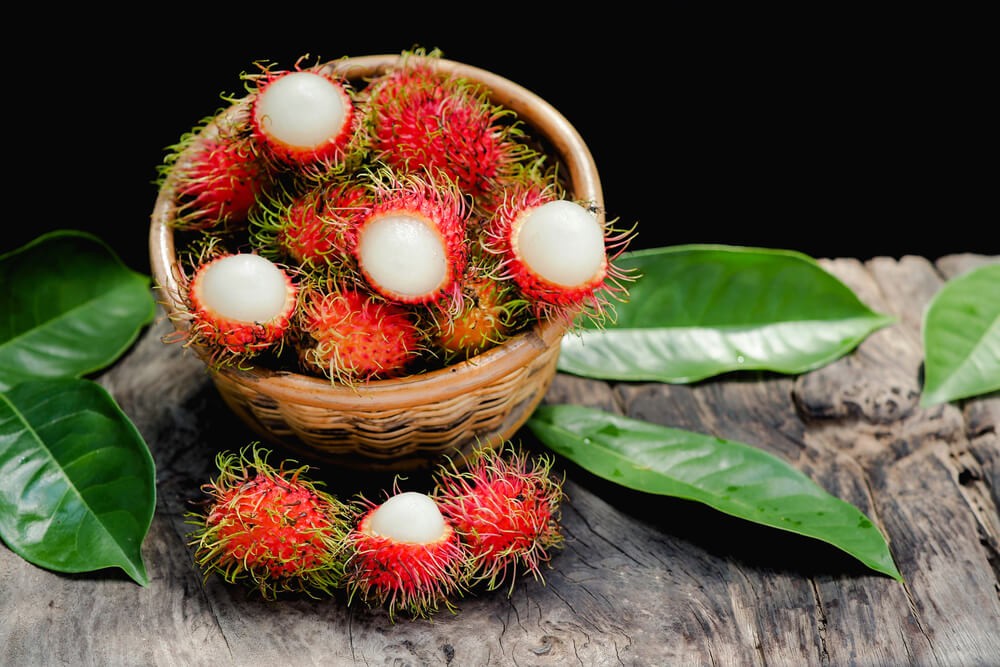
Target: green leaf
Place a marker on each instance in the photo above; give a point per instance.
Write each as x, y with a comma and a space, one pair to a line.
77, 482
696, 311
961, 332
68, 307
731, 477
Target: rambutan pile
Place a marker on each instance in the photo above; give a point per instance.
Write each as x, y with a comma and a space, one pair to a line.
275, 531
406, 212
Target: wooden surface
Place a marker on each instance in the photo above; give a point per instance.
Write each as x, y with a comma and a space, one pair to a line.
642, 580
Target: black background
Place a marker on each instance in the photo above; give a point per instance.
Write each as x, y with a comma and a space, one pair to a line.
838, 135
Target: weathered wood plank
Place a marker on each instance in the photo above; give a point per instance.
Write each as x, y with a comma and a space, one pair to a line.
907, 454
641, 580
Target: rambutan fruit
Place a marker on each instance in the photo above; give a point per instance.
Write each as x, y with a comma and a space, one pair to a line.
419, 117
308, 227
411, 246
216, 174
559, 253
492, 310
350, 336
238, 305
505, 507
304, 119
404, 556
270, 528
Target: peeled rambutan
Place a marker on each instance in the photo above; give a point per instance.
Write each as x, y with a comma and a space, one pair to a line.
269, 528
350, 336
558, 252
304, 119
216, 175
505, 507
404, 556
238, 305
419, 117
411, 246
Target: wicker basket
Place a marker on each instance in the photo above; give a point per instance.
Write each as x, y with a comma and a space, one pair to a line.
415, 422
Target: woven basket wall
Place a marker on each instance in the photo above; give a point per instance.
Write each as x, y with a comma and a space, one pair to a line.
402, 424
415, 422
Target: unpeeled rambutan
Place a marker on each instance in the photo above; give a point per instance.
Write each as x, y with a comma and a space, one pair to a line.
269, 528
216, 174
238, 305
505, 507
404, 556
309, 227
491, 311
348, 335
421, 118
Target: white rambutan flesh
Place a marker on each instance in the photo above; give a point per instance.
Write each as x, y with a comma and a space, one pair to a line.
302, 109
244, 287
403, 254
410, 518
562, 242
404, 555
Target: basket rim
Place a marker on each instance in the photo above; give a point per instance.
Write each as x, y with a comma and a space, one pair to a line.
459, 378
466, 375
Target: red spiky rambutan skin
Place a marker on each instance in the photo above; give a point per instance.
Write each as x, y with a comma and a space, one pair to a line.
350, 336
312, 97
506, 508
395, 265
417, 578
420, 118
309, 228
216, 174
270, 528
590, 297
226, 339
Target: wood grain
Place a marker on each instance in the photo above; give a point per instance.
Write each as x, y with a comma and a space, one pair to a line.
641, 580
